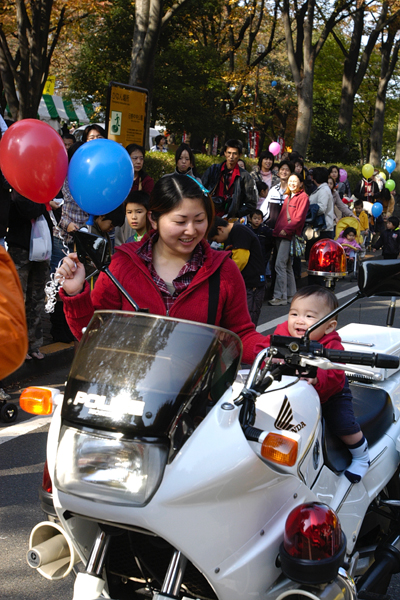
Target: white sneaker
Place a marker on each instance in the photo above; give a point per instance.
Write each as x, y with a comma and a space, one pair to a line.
278, 302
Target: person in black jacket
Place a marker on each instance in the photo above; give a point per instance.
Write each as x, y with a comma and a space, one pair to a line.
231, 187
33, 275
5, 200
389, 239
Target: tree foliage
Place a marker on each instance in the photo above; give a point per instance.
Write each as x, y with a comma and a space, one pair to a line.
29, 34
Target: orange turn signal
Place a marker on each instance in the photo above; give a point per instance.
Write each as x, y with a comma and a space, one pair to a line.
37, 400
280, 449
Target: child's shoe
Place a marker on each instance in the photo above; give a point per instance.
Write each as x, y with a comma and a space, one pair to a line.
360, 463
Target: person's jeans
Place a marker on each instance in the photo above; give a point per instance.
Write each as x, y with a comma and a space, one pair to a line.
285, 284
33, 277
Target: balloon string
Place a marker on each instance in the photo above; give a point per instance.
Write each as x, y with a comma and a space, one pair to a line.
56, 282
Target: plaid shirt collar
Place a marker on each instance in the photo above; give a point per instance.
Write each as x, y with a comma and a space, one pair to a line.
184, 277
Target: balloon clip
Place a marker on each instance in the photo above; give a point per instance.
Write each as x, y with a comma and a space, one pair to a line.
90, 220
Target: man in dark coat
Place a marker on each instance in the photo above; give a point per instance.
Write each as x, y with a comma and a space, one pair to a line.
231, 187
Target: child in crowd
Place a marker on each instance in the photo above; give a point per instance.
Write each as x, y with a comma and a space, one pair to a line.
264, 233
309, 305
246, 253
136, 224
262, 190
347, 239
362, 216
389, 239
136, 215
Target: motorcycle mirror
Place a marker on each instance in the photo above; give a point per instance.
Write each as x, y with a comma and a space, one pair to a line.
91, 246
94, 248
379, 278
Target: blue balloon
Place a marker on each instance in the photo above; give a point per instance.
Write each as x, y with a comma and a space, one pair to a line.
390, 165
100, 176
274, 83
376, 209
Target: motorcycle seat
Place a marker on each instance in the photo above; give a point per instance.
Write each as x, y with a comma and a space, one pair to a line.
374, 412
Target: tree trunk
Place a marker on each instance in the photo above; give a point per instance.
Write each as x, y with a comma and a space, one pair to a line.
149, 21
302, 57
387, 67
397, 156
304, 114
24, 74
355, 67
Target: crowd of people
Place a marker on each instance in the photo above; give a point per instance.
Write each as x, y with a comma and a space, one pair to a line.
268, 219
209, 249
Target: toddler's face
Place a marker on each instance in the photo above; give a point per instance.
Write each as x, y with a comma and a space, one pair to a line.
389, 225
304, 312
350, 236
255, 220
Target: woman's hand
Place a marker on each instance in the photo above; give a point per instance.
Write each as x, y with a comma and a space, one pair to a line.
73, 273
72, 227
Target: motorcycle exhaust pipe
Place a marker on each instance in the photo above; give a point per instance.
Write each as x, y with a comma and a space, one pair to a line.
51, 551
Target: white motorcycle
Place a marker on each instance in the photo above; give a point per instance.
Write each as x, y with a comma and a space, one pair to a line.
174, 477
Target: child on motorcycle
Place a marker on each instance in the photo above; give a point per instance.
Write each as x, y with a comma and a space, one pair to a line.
309, 305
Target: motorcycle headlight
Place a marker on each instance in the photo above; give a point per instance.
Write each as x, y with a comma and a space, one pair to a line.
107, 468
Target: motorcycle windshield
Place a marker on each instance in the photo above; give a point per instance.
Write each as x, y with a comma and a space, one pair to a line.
139, 374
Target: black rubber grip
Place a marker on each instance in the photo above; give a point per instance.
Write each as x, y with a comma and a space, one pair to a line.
383, 361
252, 433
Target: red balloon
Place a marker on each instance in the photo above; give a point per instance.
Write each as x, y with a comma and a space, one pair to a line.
34, 160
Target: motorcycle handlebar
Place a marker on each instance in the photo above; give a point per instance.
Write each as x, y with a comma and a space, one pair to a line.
383, 361
289, 346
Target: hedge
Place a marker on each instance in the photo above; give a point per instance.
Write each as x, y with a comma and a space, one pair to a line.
157, 164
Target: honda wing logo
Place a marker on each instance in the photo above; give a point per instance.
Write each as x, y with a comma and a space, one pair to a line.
284, 420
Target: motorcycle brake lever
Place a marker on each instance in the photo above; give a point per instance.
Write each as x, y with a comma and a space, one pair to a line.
325, 364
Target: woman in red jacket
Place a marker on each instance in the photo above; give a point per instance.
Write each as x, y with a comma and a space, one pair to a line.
168, 271
289, 223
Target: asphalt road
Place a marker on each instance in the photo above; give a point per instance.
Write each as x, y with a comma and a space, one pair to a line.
23, 449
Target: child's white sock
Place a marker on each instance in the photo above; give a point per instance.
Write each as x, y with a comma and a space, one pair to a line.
360, 463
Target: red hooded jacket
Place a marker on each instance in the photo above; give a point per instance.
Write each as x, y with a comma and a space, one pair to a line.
292, 216
329, 382
191, 304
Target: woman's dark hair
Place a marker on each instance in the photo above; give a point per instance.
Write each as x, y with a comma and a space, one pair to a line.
266, 154
348, 230
132, 147
260, 185
188, 149
331, 169
69, 136
320, 175
158, 139
97, 128
169, 192
72, 149
299, 176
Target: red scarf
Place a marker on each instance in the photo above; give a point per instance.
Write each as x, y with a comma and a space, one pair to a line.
226, 181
